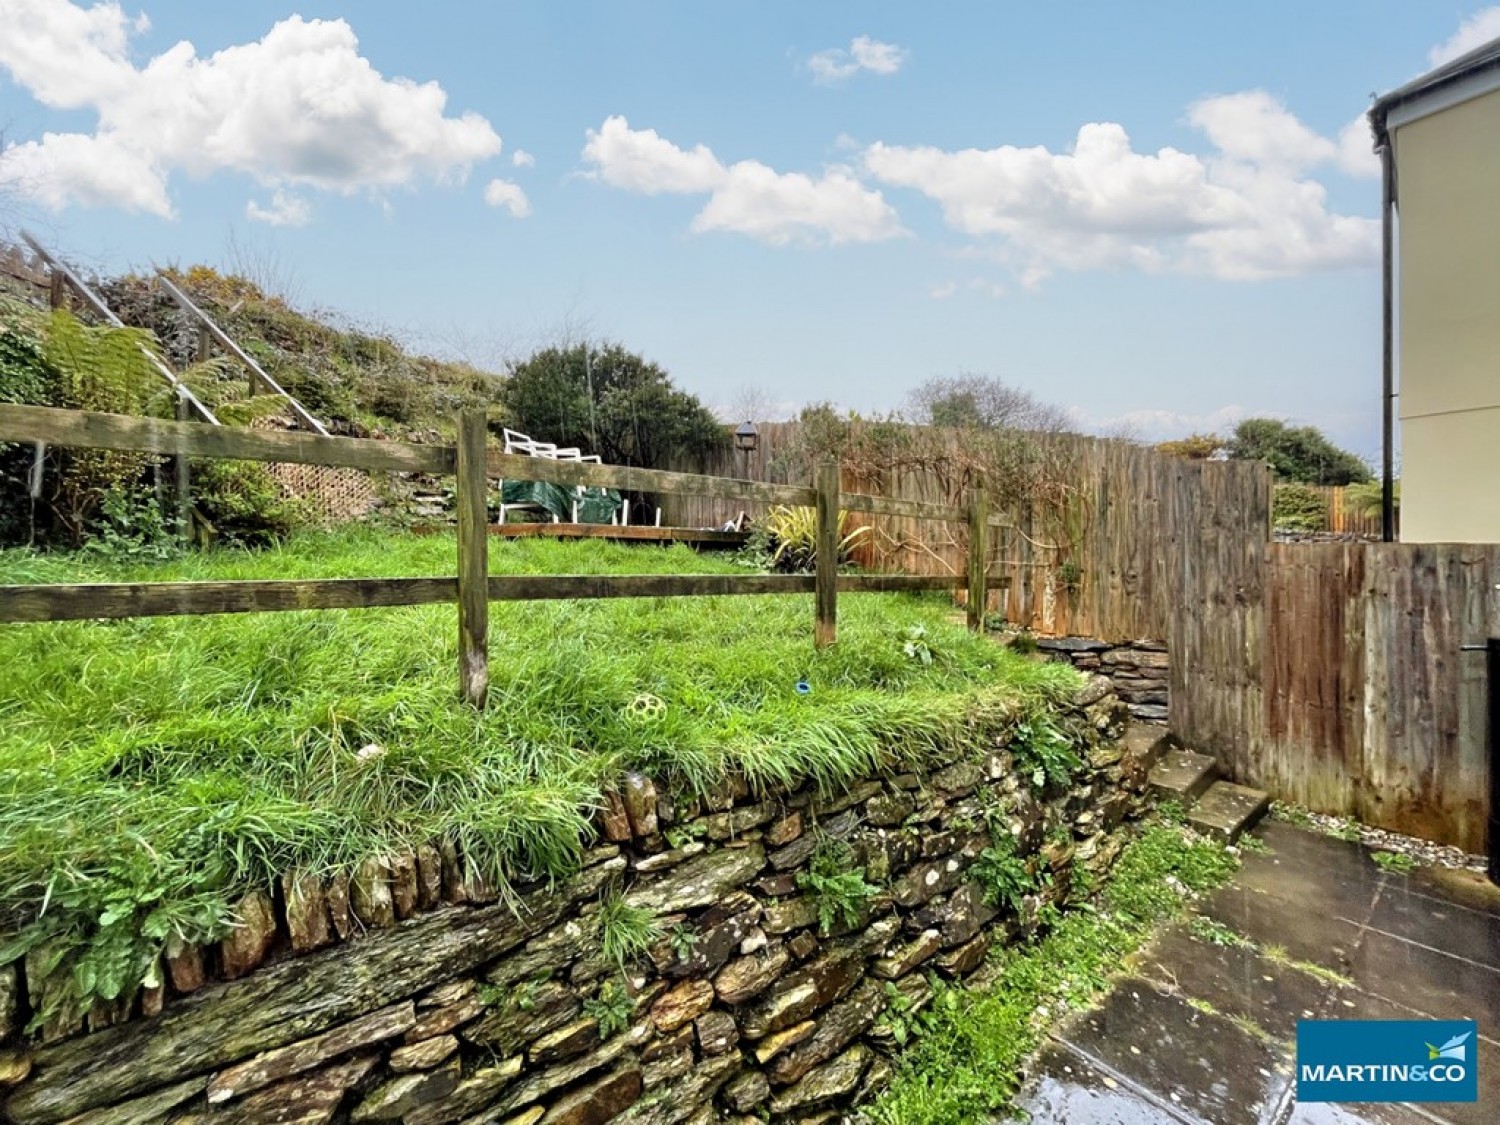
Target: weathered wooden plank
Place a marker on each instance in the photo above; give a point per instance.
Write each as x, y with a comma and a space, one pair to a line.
893, 506
618, 532
226, 342
473, 560
111, 600
92, 430
978, 558
825, 626
628, 478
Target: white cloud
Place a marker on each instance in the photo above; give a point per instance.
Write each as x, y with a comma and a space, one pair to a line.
522, 159
504, 193
747, 197
1246, 210
1475, 31
298, 107
286, 210
1156, 425
974, 285
837, 64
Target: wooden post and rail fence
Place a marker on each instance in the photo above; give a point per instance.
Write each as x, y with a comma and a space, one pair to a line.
473, 464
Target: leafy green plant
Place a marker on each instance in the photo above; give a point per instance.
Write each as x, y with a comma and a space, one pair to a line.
1291, 814
683, 940
793, 532
1081, 881
611, 1008
132, 526
1070, 576
1395, 862
916, 645
1044, 754
1003, 874
1214, 932
626, 932
1346, 829
1299, 507
837, 884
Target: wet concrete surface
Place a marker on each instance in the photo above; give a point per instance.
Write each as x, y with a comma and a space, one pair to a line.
1202, 1032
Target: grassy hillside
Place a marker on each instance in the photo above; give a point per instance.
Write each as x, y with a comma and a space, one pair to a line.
355, 382
151, 770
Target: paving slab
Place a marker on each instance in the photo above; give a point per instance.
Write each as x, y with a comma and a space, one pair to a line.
1460, 887
1199, 1032
1348, 1113
1065, 1089
1452, 928
1309, 933
1226, 810
1353, 1004
1237, 981
1204, 1065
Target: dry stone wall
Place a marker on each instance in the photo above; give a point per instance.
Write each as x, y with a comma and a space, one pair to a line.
1137, 669
409, 993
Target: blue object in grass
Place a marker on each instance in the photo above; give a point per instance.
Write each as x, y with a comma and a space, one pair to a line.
804, 688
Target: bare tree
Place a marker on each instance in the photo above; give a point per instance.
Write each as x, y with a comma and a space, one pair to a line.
260, 262
983, 402
752, 404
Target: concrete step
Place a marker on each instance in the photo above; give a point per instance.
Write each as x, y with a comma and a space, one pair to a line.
1146, 741
1181, 775
1226, 810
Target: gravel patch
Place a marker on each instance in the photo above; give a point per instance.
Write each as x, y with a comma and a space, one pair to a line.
1424, 852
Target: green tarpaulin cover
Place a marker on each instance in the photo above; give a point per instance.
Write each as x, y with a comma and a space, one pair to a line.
595, 505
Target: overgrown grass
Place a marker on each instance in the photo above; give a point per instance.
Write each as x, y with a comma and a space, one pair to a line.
966, 1067
152, 770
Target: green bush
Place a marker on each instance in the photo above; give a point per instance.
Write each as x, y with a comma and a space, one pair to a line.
1299, 507
243, 502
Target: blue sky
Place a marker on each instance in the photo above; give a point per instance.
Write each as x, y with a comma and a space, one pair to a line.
1161, 216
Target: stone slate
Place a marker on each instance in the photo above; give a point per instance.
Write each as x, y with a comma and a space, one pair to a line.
701, 881
286, 1002
295, 1058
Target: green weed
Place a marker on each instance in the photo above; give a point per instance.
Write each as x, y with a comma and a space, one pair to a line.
837, 883
966, 1065
1397, 863
1044, 754
1003, 874
626, 932
611, 1008
1213, 932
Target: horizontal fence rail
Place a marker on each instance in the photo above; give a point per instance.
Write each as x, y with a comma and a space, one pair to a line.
474, 466
85, 429
101, 601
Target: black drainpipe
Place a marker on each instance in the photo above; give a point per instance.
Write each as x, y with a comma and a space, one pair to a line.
1492, 688
1388, 341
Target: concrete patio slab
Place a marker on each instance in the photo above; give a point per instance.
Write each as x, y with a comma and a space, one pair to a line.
1201, 1031
1235, 981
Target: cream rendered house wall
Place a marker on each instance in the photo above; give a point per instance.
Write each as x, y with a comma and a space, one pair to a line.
1448, 188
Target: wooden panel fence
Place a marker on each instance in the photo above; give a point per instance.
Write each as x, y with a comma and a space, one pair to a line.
473, 466
1100, 571
1350, 678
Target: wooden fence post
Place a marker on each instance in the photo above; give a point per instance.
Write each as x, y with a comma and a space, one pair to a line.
825, 629
473, 559
181, 481
979, 542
